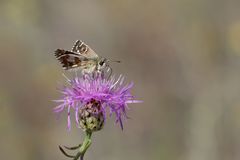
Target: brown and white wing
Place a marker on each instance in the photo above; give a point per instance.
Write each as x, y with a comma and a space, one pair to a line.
84, 50
69, 60
75, 46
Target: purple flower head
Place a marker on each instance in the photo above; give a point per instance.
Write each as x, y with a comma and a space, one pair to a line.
110, 93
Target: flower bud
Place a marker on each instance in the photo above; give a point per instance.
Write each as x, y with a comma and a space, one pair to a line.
91, 116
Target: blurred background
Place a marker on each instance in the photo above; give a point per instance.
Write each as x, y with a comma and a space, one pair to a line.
184, 57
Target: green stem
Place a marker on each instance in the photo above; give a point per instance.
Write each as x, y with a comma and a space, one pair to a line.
86, 143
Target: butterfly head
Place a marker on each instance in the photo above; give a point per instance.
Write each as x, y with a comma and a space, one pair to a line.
103, 63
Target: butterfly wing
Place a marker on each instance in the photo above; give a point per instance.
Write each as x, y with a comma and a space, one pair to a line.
69, 60
75, 46
81, 56
84, 50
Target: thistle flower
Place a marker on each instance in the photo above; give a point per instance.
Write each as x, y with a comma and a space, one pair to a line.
91, 97
91, 116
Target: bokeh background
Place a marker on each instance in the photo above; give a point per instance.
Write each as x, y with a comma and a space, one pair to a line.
183, 55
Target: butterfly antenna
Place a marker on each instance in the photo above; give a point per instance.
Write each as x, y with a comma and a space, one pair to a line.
115, 61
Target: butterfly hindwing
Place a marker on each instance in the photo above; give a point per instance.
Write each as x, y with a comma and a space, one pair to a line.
68, 59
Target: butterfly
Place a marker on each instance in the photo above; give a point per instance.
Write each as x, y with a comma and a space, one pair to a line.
83, 57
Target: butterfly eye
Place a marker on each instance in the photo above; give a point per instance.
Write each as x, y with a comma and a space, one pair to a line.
101, 63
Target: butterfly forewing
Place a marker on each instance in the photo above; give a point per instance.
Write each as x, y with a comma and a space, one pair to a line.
85, 50
75, 47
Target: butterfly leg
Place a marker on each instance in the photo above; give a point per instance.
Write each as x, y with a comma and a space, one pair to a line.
109, 69
76, 74
68, 80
